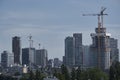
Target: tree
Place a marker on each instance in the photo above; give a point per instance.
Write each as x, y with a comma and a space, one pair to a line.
65, 72
5, 77
55, 72
25, 76
78, 73
58, 75
115, 71
73, 74
112, 73
31, 75
37, 75
97, 74
16, 73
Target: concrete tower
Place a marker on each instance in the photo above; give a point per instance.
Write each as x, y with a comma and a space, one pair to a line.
78, 49
69, 52
101, 49
4, 59
41, 57
114, 51
16, 49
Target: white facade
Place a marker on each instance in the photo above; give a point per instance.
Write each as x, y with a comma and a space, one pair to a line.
10, 59
32, 55
25, 69
7, 59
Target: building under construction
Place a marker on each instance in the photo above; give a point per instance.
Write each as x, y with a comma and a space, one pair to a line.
100, 48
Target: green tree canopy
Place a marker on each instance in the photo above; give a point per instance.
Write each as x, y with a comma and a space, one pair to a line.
115, 71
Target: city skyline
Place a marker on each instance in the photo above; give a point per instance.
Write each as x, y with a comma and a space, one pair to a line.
49, 22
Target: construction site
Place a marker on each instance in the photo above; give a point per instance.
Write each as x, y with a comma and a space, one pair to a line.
100, 48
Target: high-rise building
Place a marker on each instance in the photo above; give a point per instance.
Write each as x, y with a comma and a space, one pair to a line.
41, 57
7, 59
114, 51
86, 56
100, 49
25, 56
78, 52
28, 56
73, 51
32, 53
69, 52
57, 63
4, 59
16, 49
64, 60
10, 59
50, 63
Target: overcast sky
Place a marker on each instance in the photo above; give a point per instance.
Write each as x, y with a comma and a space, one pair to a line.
50, 21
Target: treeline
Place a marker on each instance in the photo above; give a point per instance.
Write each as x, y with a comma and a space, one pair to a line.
114, 73
33, 76
75, 74
5, 77
78, 74
89, 74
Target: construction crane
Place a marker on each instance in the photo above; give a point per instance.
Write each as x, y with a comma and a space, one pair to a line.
30, 47
30, 41
100, 17
102, 14
39, 45
100, 25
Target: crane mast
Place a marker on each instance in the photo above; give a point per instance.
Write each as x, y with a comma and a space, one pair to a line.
102, 14
30, 47
30, 41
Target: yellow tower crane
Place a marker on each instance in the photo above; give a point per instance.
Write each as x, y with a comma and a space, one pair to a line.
100, 25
